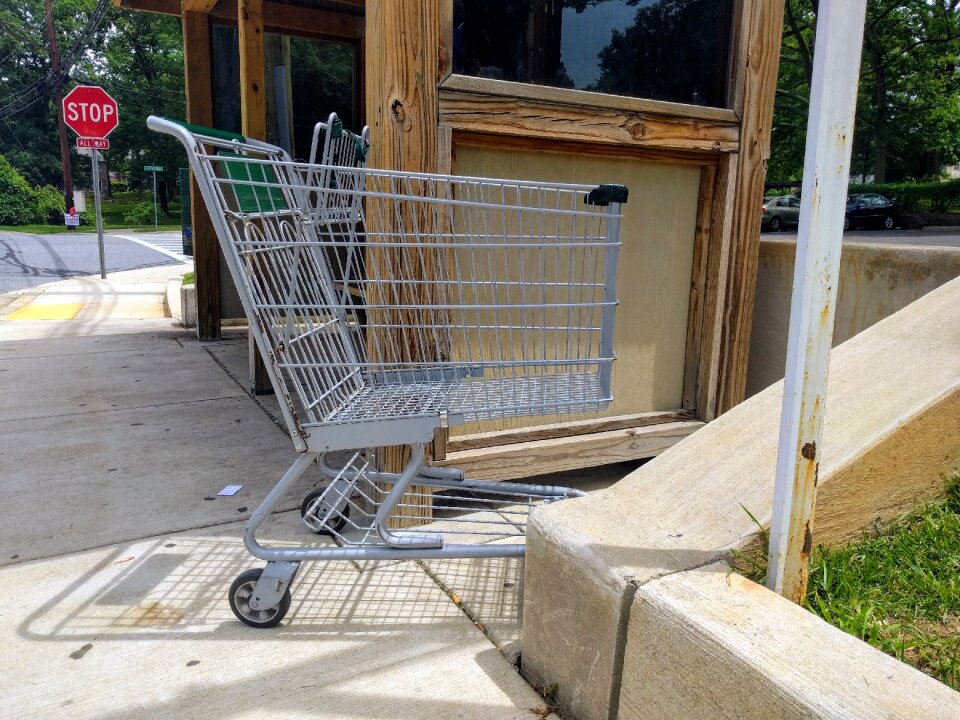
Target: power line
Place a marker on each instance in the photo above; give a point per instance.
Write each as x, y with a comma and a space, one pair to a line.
40, 90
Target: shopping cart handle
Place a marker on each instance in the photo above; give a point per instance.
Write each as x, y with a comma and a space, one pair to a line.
606, 194
203, 130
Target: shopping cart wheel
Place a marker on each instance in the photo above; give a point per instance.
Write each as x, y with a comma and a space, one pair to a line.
240, 593
334, 524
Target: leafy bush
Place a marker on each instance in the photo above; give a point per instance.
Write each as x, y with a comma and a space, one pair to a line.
88, 217
17, 199
49, 205
139, 214
928, 197
118, 186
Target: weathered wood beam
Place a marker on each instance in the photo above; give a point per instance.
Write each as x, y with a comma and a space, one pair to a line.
402, 56
758, 59
518, 460
461, 443
496, 107
277, 17
698, 287
575, 147
253, 118
299, 20
253, 108
197, 6
198, 81
718, 265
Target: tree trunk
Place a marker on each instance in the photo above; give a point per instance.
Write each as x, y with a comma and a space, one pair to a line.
880, 117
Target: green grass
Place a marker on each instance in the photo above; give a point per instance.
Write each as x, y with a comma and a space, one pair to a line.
113, 211
189, 278
898, 590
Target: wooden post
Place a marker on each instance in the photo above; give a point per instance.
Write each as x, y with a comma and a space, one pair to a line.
403, 47
198, 71
253, 114
58, 104
757, 61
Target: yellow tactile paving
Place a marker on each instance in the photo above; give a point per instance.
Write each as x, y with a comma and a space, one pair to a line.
41, 311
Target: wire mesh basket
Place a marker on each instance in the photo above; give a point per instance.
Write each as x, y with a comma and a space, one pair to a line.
389, 304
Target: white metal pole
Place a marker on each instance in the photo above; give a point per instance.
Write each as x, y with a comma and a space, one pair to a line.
95, 163
154, 173
833, 101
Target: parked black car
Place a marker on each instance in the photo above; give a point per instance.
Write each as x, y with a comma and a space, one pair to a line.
869, 210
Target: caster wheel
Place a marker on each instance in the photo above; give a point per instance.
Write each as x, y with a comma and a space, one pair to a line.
335, 523
240, 592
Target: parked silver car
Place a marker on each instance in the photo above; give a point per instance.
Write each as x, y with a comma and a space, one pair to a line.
780, 212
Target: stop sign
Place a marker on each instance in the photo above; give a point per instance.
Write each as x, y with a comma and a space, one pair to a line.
90, 112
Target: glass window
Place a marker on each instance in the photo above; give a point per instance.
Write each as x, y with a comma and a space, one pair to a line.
319, 80
676, 50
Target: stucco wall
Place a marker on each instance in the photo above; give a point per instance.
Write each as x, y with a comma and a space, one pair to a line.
653, 276
875, 281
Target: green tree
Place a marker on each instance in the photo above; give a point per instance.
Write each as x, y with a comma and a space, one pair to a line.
142, 69
908, 108
137, 57
28, 128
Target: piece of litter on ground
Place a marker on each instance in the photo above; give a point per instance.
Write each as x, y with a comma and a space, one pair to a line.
229, 490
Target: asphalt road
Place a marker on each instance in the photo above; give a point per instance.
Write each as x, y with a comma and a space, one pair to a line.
927, 236
28, 260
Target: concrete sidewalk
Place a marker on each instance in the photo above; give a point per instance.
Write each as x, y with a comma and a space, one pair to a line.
117, 430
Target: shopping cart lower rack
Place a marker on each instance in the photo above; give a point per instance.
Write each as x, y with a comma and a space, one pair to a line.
437, 301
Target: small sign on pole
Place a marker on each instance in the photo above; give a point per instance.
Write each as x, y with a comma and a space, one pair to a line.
93, 144
92, 114
154, 169
71, 220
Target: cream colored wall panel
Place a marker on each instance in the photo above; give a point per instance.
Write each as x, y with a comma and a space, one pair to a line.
654, 274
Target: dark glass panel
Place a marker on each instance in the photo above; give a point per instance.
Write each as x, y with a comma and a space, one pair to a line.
676, 50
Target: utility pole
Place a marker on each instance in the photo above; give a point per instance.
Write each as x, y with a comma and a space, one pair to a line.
58, 101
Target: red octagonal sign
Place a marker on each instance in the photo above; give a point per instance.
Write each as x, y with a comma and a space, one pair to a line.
90, 112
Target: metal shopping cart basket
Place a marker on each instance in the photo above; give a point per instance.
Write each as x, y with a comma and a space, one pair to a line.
340, 149
451, 300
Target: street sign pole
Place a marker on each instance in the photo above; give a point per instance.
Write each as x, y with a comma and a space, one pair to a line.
95, 163
154, 199
92, 114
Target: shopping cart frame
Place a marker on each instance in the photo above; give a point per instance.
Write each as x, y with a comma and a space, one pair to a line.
263, 596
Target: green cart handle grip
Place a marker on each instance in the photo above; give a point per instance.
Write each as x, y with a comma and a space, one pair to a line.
208, 132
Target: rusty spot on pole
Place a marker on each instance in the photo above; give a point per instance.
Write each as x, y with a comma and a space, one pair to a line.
809, 451
807, 540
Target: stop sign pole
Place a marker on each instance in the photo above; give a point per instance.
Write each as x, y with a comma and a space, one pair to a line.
92, 114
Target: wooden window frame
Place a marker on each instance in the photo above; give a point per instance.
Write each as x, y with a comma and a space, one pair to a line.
419, 111
498, 113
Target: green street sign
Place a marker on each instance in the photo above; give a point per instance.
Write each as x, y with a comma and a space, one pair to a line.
153, 168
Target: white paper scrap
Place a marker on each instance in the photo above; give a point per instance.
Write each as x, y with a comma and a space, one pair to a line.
230, 490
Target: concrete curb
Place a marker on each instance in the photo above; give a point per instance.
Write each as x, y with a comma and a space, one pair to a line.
728, 648
890, 433
171, 301
12, 301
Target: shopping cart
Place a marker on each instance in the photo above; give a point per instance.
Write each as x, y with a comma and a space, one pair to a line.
451, 300
340, 149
